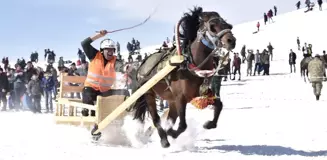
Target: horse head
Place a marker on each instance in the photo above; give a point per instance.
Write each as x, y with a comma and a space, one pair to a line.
204, 33
216, 30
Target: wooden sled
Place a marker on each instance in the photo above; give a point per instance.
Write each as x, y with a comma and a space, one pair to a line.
68, 109
172, 63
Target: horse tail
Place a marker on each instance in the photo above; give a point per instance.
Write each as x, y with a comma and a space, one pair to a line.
140, 108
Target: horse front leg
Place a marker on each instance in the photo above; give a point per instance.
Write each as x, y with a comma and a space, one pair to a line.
151, 101
218, 106
181, 110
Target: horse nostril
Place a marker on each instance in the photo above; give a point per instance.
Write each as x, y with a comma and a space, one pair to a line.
230, 41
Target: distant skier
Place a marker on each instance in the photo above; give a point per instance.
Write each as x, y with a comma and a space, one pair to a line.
298, 5
298, 43
270, 15
265, 18
275, 9
319, 3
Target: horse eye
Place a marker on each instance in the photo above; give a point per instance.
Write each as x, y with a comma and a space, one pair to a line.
215, 21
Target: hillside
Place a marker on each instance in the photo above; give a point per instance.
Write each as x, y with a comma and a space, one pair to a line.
310, 27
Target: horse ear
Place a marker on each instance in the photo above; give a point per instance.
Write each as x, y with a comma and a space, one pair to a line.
204, 17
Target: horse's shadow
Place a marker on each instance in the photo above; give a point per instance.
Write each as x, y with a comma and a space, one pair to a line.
265, 150
233, 84
278, 74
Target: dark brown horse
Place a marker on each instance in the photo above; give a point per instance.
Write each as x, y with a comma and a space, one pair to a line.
202, 33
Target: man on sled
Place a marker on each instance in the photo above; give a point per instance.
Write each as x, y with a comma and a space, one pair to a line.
104, 70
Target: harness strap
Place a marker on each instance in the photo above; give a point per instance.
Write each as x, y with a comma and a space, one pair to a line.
207, 43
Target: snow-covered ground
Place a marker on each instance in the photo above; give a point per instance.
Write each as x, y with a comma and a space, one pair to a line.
264, 117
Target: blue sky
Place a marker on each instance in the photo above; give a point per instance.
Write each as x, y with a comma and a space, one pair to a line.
29, 25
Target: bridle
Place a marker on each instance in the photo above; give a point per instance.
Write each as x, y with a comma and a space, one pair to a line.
209, 39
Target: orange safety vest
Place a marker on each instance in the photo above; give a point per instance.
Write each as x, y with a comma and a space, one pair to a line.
100, 77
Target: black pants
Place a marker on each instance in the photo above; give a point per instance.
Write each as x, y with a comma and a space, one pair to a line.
3, 99
90, 95
257, 68
216, 84
36, 103
266, 69
19, 92
292, 67
237, 70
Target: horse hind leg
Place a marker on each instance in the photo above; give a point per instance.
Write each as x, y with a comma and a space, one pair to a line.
152, 106
218, 106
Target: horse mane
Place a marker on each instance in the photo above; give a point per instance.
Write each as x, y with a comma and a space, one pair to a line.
190, 25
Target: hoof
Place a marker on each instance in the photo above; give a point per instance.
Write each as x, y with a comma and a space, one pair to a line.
165, 143
210, 125
172, 133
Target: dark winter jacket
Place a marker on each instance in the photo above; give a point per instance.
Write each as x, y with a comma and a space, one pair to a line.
48, 83
34, 87
243, 51
19, 81
4, 83
292, 58
29, 73
270, 48
265, 58
237, 62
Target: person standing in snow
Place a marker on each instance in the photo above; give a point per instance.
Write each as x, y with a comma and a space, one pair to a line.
227, 70
306, 50
35, 91
250, 59
257, 61
270, 49
243, 53
298, 5
324, 55
270, 15
265, 59
48, 86
309, 50
275, 9
319, 3
4, 88
258, 26
237, 66
298, 43
292, 61
316, 71
265, 18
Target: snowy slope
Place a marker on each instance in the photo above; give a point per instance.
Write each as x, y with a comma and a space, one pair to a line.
264, 117
310, 27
